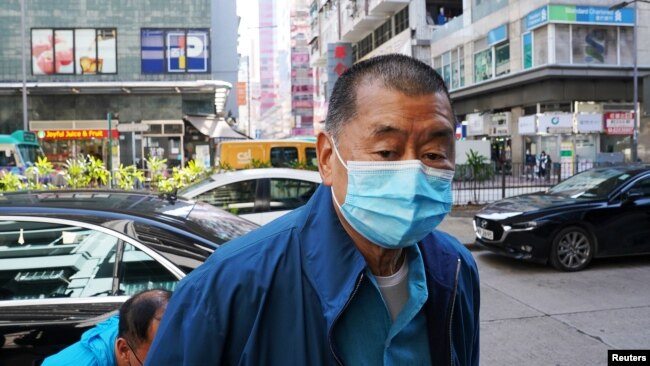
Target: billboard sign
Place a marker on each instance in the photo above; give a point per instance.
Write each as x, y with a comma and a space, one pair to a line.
74, 51
619, 123
174, 51
589, 122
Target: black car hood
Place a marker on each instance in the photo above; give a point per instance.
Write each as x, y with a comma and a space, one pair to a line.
516, 205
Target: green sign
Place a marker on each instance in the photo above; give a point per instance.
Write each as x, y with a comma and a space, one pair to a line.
566, 153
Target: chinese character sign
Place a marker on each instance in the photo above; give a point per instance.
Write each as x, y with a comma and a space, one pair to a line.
339, 59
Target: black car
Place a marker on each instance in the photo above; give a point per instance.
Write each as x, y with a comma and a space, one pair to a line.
68, 259
601, 212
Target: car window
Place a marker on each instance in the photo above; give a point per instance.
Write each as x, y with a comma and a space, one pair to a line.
237, 198
47, 260
287, 194
642, 186
283, 156
139, 272
310, 153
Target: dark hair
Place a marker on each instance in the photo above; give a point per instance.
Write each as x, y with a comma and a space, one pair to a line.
393, 71
137, 313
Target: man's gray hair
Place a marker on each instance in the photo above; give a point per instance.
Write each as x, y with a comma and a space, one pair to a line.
394, 71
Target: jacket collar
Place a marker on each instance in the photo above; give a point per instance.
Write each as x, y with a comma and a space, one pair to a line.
330, 258
333, 263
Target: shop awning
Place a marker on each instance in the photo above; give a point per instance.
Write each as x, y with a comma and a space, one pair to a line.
214, 127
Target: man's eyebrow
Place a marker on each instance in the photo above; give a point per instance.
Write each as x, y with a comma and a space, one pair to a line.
387, 129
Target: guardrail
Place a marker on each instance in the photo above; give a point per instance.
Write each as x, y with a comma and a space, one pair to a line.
495, 181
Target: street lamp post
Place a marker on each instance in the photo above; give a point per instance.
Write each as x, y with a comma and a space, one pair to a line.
248, 92
635, 75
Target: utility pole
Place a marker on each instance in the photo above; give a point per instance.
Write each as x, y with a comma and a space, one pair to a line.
23, 6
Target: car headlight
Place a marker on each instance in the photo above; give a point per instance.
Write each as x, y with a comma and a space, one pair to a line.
521, 226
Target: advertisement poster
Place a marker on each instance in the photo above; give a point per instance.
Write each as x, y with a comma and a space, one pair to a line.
52, 52
96, 51
74, 51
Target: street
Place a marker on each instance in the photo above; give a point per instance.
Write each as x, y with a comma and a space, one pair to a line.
532, 314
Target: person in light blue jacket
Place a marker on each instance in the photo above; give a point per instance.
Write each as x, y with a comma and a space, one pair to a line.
120, 340
359, 275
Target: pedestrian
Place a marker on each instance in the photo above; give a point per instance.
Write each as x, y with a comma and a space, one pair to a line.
543, 165
357, 276
530, 165
120, 340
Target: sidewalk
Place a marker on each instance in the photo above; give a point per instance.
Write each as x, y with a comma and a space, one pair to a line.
459, 224
460, 227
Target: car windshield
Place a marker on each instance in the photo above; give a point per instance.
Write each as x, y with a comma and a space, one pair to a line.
29, 153
195, 186
220, 223
596, 183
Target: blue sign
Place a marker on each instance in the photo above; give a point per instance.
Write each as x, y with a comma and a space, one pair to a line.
497, 35
537, 17
175, 51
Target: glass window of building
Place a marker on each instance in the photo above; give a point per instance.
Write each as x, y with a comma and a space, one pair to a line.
402, 20
540, 46
483, 65
502, 59
365, 46
626, 45
594, 45
383, 33
446, 68
562, 39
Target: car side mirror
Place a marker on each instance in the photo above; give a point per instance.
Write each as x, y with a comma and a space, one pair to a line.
633, 195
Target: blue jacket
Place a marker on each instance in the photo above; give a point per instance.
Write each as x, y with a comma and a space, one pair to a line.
96, 347
272, 296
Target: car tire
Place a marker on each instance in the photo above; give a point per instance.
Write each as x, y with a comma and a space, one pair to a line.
572, 249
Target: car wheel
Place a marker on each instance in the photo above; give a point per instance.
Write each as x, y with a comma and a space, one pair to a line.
572, 249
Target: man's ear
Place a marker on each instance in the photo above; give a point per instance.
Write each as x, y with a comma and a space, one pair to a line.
121, 351
324, 149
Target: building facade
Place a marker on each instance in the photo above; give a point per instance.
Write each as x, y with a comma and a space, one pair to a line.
367, 28
302, 74
94, 68
548, 76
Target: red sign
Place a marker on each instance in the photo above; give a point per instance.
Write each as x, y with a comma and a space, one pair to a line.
78, 134
619, 123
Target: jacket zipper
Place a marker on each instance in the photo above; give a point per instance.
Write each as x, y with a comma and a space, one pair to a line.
451, 313
329, 337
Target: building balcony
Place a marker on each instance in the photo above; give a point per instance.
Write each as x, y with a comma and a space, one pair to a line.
357, 25
381, 7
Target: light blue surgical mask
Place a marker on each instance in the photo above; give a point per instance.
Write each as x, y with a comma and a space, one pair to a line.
395, 204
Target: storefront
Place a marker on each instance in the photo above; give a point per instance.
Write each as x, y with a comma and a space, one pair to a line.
164, 140
500, 139
64, 140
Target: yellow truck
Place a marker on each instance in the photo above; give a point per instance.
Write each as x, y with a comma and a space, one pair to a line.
242, 154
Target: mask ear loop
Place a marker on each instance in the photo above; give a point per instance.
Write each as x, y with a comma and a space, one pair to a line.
336, 151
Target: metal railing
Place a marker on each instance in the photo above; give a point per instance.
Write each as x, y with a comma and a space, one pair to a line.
494, 181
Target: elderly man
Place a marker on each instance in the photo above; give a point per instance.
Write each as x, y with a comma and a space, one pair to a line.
359, 275
120, 340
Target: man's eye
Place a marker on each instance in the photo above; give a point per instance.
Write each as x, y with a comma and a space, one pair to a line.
385, 154
433, 156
